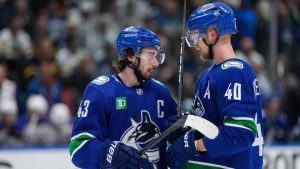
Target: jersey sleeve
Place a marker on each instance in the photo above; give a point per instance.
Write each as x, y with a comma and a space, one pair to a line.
89, 129
236, 102
171, 105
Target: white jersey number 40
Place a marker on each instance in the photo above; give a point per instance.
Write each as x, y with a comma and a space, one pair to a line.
234, 92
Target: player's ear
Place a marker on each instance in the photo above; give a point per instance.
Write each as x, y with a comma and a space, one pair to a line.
131, 58
212, 34
129, 55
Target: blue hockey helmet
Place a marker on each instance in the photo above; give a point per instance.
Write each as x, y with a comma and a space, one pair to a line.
217, 15
137, 37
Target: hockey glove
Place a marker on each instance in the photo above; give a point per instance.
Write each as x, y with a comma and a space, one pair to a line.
182, 150
121, 156
172, 137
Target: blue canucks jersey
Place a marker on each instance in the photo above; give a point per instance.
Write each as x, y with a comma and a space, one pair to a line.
228, 95
111, 110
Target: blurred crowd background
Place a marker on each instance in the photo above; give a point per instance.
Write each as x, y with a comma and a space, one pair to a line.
51, 49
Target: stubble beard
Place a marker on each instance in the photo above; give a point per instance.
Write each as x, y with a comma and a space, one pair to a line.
204, 56
142, 75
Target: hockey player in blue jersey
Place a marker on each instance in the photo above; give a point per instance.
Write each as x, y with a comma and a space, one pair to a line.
226, 93
120, 114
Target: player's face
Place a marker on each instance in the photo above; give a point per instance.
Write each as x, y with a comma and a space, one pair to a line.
193, 39
149, 62
201, 48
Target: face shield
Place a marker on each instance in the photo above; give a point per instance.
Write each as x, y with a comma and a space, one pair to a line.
160, 57
192, 37
150, 55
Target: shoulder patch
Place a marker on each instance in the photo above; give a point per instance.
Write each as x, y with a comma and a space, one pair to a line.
235, 64
101, 80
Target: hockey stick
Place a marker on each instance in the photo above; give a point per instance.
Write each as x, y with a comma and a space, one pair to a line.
181, 62
202, 125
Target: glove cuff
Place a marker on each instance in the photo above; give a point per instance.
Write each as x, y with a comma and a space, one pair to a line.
110, 153
103, 153
197, 135
191, 141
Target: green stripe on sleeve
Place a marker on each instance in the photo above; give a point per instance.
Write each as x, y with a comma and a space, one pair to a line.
242, 122
78, 141
203, 165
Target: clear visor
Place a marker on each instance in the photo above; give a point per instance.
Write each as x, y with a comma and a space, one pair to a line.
160, 57
192, 38
149, 55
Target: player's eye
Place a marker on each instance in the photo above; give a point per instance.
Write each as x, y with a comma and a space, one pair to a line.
159, 56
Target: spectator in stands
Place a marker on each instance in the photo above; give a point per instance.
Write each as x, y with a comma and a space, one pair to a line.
14, 41
10, 135
8, 88
291, 98
247, 49
275, 121
60, 118
37, 131
70, 56
21, 8
99, 39
133, 12
169, 18
15, 47
40, 27
44, 49
84, 18
246, 19
46, 83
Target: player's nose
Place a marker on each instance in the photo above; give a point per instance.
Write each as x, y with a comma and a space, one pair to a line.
155, 63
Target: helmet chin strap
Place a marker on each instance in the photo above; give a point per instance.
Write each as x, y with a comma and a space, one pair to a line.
210, 47
136, 70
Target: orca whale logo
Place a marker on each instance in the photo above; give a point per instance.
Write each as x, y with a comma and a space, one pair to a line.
198, 108
141, 133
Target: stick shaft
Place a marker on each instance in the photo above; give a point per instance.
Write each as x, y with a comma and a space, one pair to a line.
173, 127
180, 83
